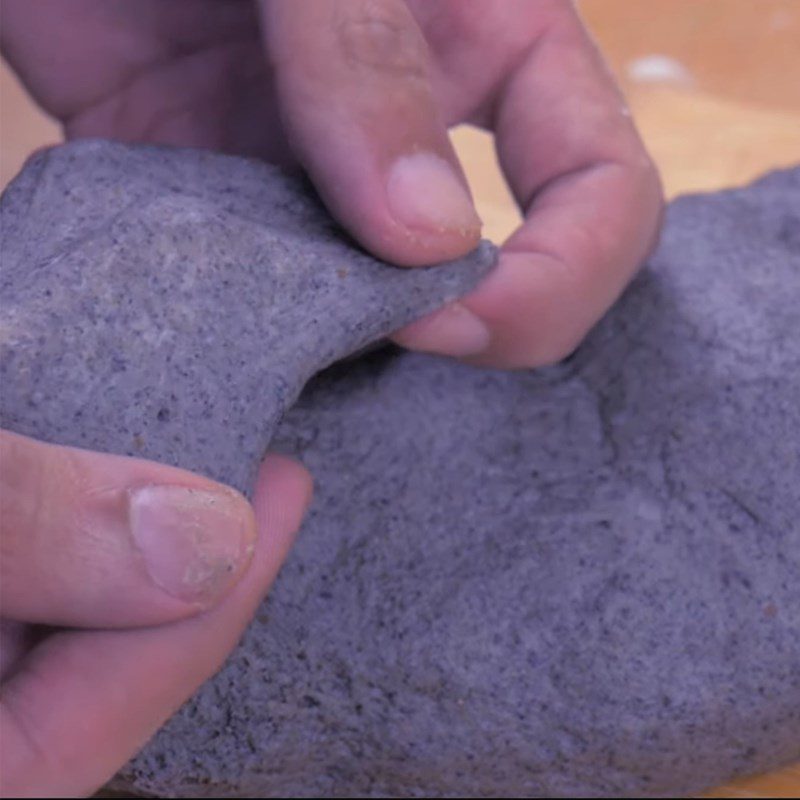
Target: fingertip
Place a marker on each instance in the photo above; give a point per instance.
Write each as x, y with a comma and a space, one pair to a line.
283, 493
415, 211
430, 202
195, 544
95, 539
450, 331
356, 94
281, 471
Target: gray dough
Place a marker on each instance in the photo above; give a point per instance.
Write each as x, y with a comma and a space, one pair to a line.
583, 580
171, 304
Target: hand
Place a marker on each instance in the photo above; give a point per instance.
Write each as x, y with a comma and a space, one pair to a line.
363, 91
124, 585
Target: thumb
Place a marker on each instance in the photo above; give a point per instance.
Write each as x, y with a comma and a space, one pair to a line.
355, 93
91, 539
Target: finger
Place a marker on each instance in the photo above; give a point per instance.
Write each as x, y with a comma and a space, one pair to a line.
16, 639
592, 201
353, 82
91, 539
86, 701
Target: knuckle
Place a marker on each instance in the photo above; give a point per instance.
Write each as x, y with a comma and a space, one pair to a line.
650, 196
643, 173
382, 37
647, 174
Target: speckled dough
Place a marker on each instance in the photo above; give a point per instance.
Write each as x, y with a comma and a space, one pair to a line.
579, 581
171, 303
583, 580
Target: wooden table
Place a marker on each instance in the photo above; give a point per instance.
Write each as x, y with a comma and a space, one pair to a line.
713, 85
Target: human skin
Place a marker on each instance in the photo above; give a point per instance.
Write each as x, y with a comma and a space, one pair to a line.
120, 640
360, 93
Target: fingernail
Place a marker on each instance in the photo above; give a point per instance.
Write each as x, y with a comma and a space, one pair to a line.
451, 331
195, 544
425, 192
